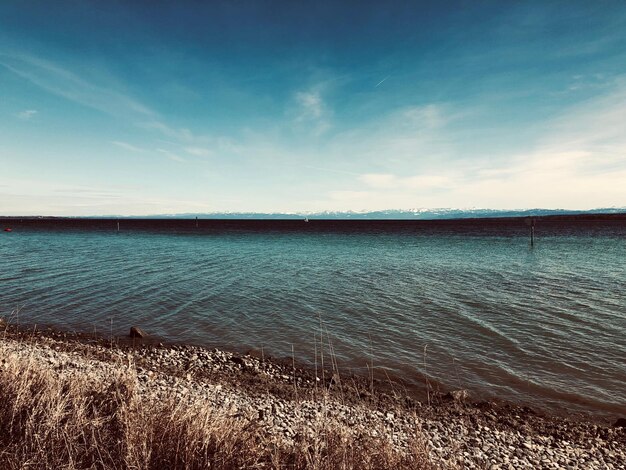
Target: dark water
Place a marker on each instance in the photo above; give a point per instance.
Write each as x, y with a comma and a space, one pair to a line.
468, 304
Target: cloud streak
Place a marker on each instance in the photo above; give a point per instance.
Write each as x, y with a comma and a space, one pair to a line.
382, 81
127, 146
416, 182
103, 97
198, 151
172, 156
72, 86
27, 114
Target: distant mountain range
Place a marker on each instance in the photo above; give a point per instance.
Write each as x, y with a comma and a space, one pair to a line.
411, 214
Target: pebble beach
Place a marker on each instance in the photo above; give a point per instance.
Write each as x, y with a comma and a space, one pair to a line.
288, 400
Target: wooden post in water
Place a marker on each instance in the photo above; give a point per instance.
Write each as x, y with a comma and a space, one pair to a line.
196, 222
530, 221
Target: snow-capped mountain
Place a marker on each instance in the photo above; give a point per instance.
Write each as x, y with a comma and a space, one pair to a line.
394, 214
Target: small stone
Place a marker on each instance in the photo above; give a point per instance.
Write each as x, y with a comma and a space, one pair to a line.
459, 395
136, 332
620, 423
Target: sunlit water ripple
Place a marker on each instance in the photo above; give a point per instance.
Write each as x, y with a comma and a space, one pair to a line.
467, 306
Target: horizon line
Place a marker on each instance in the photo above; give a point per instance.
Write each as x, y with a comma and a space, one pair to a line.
435, 214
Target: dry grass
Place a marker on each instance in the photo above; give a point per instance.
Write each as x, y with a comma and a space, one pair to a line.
60, 422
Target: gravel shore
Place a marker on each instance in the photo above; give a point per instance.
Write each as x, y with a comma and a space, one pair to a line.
288, 400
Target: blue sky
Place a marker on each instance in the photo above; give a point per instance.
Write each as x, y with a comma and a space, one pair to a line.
167, 107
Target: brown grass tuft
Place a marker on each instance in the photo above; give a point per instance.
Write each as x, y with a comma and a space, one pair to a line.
73, 422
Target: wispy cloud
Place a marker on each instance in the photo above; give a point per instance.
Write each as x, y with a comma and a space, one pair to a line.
406, 140
171, 155
416, 182
578, 160
36, 197
182, 134
127, 146
311, 105
199, 145
27, 114
344, 196
198, 151
330, 170
311, 111
63, 82
104, 95
40, 196
425, 118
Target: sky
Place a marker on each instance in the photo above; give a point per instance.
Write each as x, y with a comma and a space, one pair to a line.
138, 108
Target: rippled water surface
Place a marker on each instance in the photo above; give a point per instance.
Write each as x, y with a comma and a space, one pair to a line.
467, 304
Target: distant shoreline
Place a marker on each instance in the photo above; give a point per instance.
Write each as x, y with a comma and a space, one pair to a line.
455, 216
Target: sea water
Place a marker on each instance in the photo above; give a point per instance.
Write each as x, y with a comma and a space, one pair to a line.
453, 304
